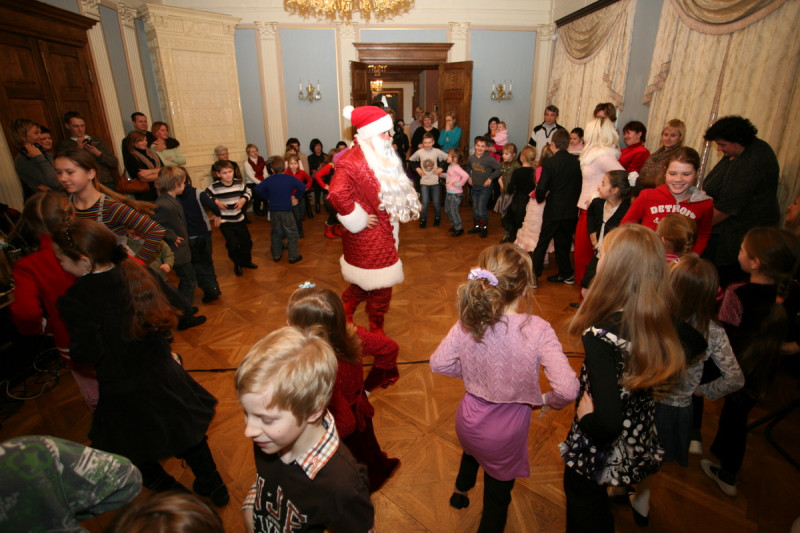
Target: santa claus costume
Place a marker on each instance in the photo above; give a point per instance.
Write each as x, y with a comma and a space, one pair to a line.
372, 195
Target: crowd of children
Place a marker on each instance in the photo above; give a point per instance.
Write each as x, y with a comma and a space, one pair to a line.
657, 329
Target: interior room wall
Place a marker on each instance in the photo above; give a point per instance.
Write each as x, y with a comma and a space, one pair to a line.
310, 55
643, 41
502, 55
391, 35
119, 66
149, 77
250, 89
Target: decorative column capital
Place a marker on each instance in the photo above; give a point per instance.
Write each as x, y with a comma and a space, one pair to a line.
127, 15
267, 30
546, 32
90, 8
458, 30
347, 31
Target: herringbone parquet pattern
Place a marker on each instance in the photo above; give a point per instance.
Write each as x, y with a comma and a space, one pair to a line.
414, 419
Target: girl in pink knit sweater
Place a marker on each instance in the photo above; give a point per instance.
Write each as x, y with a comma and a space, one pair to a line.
497, 347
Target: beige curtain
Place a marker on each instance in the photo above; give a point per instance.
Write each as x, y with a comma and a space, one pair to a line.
699, 74
590, 64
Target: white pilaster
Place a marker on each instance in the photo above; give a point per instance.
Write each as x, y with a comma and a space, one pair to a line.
105, 78
458, 34
194, 59
346, 35
127, 24
542, 63
270, 72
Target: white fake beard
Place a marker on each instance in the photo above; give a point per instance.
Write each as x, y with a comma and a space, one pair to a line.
397, 195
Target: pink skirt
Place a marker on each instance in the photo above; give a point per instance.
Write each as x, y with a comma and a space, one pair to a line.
496, 435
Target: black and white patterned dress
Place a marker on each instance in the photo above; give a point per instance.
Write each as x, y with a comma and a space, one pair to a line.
633, 455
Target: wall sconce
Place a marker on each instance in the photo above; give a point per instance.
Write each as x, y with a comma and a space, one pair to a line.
502, 91
309, 92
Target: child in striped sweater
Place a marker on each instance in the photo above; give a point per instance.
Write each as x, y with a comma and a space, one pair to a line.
230, 196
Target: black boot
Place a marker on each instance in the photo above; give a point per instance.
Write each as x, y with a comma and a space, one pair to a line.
155, 478
207, 481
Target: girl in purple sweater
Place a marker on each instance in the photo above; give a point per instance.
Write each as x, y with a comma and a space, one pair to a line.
497, 347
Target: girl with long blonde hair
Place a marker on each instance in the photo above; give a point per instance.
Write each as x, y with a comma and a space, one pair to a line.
632, 349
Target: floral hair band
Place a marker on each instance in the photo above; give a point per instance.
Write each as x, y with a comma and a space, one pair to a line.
306, 285
479, 273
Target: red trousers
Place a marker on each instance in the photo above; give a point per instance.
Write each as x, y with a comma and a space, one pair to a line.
378, 301
583, 247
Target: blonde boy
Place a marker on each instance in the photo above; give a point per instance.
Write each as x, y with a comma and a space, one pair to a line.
305, 480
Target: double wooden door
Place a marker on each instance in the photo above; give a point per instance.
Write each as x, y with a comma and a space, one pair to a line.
455, 93
46, 69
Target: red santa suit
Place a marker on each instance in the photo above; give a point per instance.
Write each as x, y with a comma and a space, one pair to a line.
369, 255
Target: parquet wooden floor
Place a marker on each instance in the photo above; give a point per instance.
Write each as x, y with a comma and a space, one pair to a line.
414, 419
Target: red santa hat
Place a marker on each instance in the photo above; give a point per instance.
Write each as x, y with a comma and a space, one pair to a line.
368, 120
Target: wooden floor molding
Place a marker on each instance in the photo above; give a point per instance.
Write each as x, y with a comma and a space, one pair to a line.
414, 419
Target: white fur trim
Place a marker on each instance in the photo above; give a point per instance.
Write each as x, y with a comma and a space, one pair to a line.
355, 221
347, 112
370, 279
376, 128
396, 234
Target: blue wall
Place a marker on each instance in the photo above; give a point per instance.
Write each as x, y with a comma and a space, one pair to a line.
149, 77
403, 36
310, 55
250, 88
516, 49
69, 5
119, 64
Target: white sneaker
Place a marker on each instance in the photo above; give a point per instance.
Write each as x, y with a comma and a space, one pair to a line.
711, 471
695, 447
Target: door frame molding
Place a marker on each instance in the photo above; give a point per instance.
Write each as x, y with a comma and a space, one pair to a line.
403, 53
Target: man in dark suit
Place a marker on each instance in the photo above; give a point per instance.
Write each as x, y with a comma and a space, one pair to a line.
560, 184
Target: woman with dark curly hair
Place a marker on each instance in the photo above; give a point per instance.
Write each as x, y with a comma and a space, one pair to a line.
744, 186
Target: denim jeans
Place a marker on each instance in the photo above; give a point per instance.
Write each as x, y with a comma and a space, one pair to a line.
283, 227
480, 202
451, 204
430, 193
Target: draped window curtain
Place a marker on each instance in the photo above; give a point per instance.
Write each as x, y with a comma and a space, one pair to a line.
741, 57
590, 63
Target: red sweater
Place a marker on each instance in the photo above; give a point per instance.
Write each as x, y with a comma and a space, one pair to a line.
40, 282
654, 204
302, 175
633, 157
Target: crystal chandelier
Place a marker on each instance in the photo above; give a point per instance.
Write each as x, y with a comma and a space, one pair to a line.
343, 9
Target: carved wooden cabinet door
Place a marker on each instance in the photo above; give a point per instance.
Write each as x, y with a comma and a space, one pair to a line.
455, 94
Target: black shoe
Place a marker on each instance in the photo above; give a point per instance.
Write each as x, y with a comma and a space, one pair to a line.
475, 230
484, 231
195, 310
436, 222
276, 259
237, 269
192, 321
423, 223
296, 260
558, 278
459, 501
208, 298
214, 489
451, 229
250, 264
458, 233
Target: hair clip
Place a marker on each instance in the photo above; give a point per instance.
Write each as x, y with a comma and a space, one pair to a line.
479, 273
632, 177
306, 285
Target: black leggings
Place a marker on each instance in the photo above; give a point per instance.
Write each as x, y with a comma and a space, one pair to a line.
496, 494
